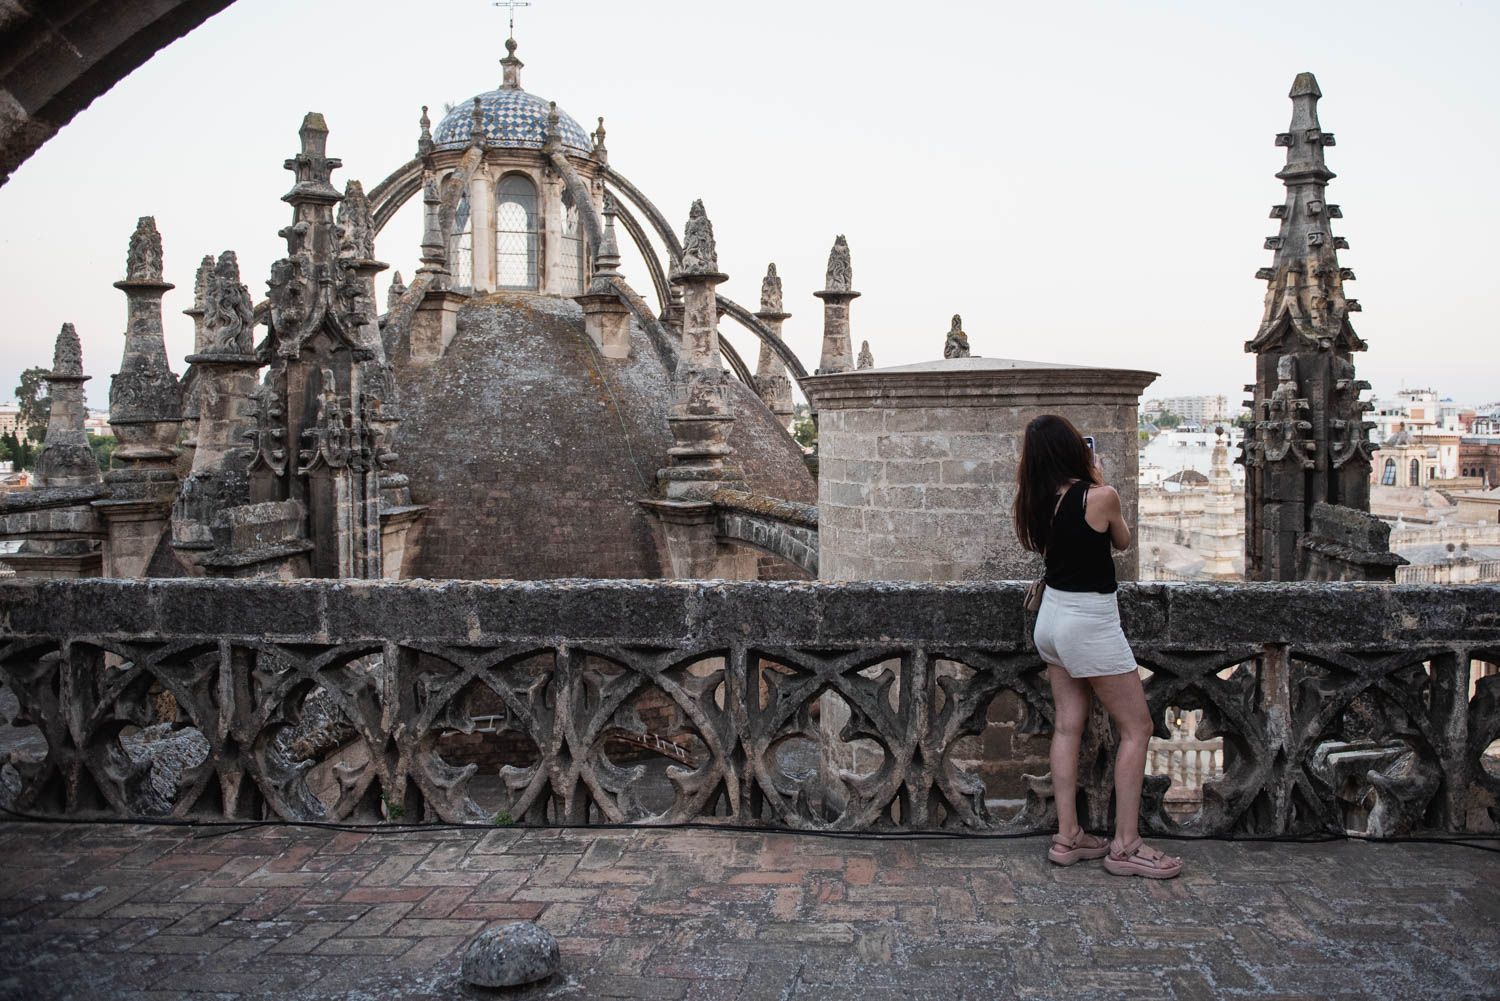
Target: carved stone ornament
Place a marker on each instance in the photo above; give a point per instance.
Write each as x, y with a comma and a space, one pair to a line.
957, 343
296, 307
770, 291
356, 229
143, 261
840, 277
699, 254
228, 311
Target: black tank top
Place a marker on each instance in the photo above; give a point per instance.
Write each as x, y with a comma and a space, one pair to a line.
1077, 555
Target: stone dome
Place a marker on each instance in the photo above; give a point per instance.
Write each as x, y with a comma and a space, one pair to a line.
513, 119
533, 451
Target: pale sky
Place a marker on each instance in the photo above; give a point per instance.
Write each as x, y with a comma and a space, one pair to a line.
1084, 182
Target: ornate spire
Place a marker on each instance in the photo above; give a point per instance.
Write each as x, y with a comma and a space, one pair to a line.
866, 357
395, 292
67, 356
840, 276
771, 380
145, 389
838, 353
1306, 283
424, 138
66, 459
229, 312
600, 152
607, 258
770, 291
700, 256
313, 167
434, 253
511, 66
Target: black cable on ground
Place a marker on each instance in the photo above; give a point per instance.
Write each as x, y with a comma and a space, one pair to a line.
219, 828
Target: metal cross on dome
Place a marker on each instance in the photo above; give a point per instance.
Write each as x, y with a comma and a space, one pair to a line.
511, 6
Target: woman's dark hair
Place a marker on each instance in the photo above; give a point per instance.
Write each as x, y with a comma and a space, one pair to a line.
1052, 453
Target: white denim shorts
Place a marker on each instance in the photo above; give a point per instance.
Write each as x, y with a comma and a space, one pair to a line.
1080, 631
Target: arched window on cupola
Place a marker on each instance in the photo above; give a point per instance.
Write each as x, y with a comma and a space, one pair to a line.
1415, 473
572, 268
461, 252
1388, 474
516, 233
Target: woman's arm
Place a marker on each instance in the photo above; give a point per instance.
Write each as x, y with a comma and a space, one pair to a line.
1104, 514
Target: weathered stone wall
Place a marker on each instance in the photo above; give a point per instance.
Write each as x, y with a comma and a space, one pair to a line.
917, 464
1329, 698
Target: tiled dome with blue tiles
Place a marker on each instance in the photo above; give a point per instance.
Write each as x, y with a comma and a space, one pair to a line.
512, 118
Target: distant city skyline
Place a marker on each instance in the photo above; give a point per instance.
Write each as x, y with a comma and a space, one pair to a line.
1086, 184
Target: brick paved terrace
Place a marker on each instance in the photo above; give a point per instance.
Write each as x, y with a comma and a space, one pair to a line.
116, 911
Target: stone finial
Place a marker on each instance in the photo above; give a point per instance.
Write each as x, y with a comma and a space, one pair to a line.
840, 277
313, 167
957, 343
201, 278
314, 134
476, 123
511, 66
143, 262
770, 291
600, 152
356, 229
424, 137
395, 292
552, 137
866, 357
228, 310
67, 355
700, 256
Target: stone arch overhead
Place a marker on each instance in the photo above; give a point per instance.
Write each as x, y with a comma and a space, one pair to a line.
57, 56
387, 197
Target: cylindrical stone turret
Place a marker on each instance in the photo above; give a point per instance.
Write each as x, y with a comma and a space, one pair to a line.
917, 474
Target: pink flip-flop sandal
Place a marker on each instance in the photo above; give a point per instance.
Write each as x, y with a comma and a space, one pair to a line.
1139, 859
1066, 851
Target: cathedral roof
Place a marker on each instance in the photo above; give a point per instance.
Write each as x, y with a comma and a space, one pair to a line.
512, 118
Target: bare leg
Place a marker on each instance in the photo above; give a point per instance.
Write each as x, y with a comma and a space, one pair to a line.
1125, 701
1070, 700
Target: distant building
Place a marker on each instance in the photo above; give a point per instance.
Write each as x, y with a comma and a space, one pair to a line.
1192, 409
97, 423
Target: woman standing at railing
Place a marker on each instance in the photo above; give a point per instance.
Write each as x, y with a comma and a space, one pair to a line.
1067, 513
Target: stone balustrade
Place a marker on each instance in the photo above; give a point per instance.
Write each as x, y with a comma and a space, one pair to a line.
855, 706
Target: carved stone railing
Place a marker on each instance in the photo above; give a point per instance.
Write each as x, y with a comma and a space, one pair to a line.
808, 705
